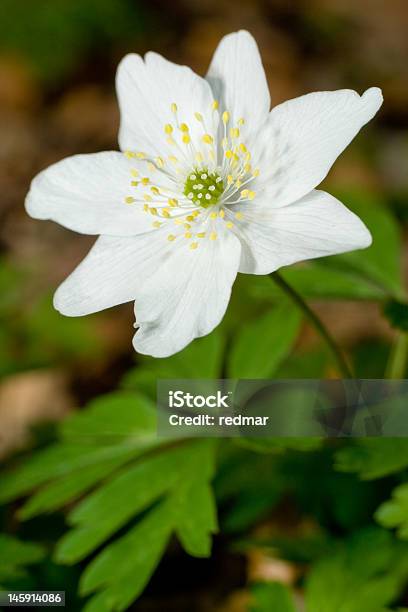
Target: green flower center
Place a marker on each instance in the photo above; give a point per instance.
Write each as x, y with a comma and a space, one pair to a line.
203, 187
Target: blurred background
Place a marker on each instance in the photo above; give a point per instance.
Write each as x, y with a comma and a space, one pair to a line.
57, 71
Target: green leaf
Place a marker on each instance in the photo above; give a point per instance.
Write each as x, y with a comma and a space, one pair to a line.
130, 492
63, 490
112, 418
373, 457
197, 517
381, 262
394, 513
128, 480
114, 429
186, 506
271, 596
15, 555
125, 566
262, 345
367, 572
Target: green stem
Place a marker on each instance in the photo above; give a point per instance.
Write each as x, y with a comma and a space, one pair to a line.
317, 323
398, 358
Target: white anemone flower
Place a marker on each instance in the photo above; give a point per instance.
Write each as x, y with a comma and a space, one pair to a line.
209, 183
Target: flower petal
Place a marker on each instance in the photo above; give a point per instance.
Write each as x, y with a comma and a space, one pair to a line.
238, 79
315, 226
112, 273
304, 136
187, 296
146, 90
86, 193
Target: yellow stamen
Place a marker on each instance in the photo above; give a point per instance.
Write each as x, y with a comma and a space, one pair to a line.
188, 235
156, 224
225, 117
208, 139
198, 116
129, 200
186, 138
229, 224
239, 215
184, 127
213, 236
215, 105
221, 214
171, 237
173, 107
201, 235
193, 245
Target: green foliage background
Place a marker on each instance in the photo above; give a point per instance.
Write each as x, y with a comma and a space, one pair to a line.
98, 506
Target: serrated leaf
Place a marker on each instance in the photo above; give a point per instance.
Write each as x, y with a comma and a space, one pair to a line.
373, 457
115, 428
271, 596
63, 490
262, 345
125, 566
57, 461
394, 512
135, 488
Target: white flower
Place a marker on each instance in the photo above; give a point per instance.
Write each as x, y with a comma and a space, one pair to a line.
210, 183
